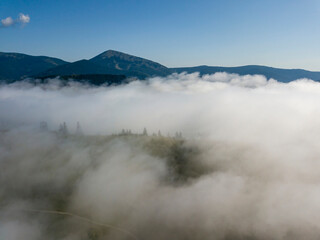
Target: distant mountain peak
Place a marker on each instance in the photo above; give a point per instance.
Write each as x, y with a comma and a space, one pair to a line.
111, 53
116, 54
130, 65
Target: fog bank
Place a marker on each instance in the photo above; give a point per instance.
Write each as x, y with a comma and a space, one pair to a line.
247, 166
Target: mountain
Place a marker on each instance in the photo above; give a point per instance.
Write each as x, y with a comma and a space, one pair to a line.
78, 67
14, 66
130, 65
112, 62
282, 75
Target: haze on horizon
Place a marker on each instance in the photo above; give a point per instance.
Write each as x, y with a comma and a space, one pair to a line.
281, 34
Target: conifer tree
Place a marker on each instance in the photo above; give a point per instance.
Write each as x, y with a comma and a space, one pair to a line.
145, 133
79, 129
44, 126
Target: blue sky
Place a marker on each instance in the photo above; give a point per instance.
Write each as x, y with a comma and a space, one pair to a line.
279, 33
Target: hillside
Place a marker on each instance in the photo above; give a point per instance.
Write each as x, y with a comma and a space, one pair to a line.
14, 66
78, 67
94, 79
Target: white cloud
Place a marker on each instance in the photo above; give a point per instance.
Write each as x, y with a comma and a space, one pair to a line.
21, 20
7, 22
24, 18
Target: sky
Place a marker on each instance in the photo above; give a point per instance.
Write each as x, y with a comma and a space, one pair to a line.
176, 33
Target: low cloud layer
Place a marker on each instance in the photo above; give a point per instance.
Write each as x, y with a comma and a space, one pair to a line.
22, 20
247, 166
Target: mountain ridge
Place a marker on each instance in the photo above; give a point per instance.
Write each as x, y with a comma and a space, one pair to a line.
16, 66
280, 74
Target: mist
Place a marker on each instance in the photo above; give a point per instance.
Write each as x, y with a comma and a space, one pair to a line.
246, 166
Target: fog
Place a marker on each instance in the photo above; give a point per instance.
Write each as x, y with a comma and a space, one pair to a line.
246, 167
